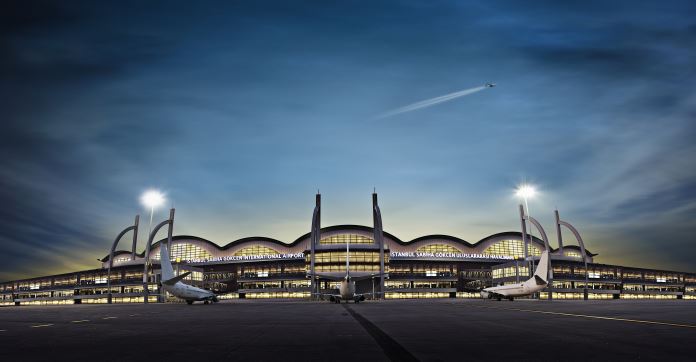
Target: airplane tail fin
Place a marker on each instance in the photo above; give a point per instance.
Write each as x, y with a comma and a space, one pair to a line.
174, 280
166, 263
347, 258
542, 271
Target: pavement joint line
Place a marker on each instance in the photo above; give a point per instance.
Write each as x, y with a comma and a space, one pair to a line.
391, 348
42, 325
593, 317
80, 321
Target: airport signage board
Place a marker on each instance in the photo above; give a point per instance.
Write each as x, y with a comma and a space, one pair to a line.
420, 255
261, 257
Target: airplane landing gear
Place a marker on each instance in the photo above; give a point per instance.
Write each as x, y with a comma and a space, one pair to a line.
189, 302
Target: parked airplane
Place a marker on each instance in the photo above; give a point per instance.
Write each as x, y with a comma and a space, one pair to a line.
174, 285
346, 290
532, 285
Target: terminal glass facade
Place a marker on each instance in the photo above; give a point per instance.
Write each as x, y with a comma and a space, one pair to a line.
438, 248
256, 250
347, 238
514, 248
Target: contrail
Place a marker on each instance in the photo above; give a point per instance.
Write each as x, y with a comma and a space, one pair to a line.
431, 102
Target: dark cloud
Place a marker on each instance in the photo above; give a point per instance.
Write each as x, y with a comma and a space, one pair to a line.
233, 105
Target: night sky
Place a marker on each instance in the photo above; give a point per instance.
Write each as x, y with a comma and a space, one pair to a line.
241, 110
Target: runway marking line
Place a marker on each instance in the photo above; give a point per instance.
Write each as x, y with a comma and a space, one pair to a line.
80, 321
109, 317
594, 317
42, 325
132, 315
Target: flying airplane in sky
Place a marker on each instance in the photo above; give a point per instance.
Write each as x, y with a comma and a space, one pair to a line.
174, 285
490, 85
346, 290
534, 284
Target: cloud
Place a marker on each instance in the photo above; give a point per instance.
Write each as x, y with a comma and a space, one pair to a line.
239, 109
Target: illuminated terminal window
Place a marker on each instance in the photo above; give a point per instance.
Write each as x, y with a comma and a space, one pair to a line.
510, 272
514, 248
545, 295
408, 295
342, 268
184, 251
277, 295
355, 256
648, 296
256, 250
195, 275
434, 270
438, 248
572, 254
468, 295
122, 259
397, 284
346, 238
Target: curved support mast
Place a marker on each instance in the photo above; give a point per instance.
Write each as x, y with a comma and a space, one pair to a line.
314, 241
148, 246
575, 232
545, 238
134, 228
379, 239
525, 242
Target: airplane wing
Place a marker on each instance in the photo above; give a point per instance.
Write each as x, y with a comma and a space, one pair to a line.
322, 276
370, 276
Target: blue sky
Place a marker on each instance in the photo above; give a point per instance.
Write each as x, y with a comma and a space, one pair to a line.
240, 111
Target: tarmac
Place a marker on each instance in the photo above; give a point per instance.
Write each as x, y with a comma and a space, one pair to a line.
396, 330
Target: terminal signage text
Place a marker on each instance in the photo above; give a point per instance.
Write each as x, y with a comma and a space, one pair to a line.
247, 258
418, 255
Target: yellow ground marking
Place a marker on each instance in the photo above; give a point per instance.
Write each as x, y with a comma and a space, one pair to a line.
42, 325
595, 317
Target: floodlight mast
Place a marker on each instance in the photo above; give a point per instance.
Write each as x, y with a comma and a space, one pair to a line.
151, 199
526, 191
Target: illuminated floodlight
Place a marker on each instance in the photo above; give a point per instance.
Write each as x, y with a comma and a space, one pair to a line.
152, 199
525, 191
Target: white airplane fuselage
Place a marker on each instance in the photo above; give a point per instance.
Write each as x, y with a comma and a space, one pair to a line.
173, 284
536, 283
189, 292
514, 290
347, 289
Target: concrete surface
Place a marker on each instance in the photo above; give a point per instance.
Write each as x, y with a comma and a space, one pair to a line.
400, 330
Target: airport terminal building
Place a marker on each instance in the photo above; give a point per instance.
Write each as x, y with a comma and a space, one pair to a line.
433, 266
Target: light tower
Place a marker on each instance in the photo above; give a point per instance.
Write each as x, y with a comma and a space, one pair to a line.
526, 192
151, 199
